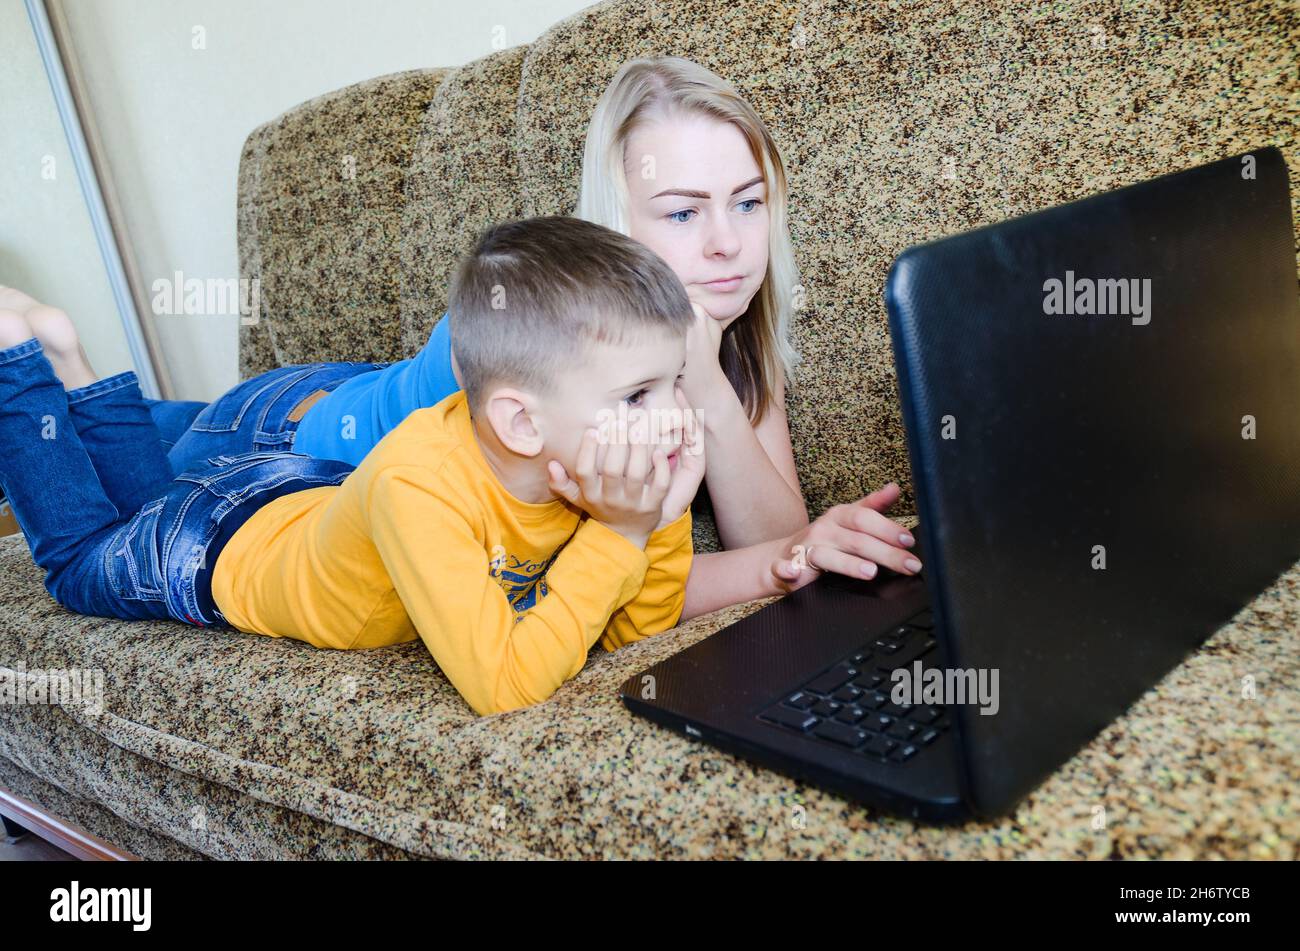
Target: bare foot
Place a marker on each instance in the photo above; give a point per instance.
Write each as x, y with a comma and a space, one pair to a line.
13, 329
58, 336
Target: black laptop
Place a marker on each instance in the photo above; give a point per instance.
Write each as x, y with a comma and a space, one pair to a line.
1102, 403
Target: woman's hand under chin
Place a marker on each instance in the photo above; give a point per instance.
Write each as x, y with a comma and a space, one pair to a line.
704, 380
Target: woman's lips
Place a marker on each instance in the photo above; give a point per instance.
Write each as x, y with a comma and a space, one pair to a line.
728, 284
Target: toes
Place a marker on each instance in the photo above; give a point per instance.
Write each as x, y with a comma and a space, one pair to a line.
13, 329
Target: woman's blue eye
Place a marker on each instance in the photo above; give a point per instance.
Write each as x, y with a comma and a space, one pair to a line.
684, 211
752, 201
635, 398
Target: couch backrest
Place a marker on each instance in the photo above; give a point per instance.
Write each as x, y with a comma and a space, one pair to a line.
898, 123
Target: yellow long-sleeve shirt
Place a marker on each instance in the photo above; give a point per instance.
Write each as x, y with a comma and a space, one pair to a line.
423, 540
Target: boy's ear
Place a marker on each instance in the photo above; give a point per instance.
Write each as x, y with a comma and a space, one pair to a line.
512, 415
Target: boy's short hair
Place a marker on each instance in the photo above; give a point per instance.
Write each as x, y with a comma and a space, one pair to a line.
534, 295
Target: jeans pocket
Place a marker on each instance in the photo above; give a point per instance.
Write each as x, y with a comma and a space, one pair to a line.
135, 569
226, 413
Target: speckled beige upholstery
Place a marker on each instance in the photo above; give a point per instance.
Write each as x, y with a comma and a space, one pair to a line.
898, 125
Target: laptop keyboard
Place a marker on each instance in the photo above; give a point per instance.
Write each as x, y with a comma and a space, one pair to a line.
848, 706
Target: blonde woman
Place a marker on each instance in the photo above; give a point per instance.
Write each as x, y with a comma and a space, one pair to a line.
678, 160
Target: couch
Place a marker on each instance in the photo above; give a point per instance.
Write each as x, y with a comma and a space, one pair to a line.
899, 124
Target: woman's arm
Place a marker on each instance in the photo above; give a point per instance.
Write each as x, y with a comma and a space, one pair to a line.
851, 539
751, 474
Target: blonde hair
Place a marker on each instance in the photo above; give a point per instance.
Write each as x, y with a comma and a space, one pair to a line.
756, 349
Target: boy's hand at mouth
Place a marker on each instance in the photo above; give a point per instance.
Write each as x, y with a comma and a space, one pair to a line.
853, 539
689, 469
620, 484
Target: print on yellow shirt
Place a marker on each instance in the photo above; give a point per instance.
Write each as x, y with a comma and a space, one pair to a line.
523, 580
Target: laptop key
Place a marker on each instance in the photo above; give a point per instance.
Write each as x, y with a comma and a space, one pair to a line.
800, 700
928, 737
925, 619
794, 719
851, 715
878, 746
839, 733
904, 730
832, 680
874, 700
869, 681
903, 753
826, 708
847, 694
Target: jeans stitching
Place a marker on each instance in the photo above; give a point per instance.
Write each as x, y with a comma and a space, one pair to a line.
107, 385
20, 350
238, 421
294, 381
129, 532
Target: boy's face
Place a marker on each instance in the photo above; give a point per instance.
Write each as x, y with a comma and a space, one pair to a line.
630, 384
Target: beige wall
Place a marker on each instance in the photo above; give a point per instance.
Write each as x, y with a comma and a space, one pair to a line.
173, 118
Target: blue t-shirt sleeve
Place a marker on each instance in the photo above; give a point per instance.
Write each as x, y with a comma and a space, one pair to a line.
375, 403
429, 380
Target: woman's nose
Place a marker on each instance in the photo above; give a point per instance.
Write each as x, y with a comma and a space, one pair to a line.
723, 239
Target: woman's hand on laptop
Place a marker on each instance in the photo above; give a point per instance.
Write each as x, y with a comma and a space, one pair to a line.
620, 484
853, 539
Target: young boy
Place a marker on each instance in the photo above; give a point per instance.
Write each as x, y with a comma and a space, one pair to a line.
463, 526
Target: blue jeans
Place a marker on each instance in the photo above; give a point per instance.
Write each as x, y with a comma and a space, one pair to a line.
252, 417
90, 484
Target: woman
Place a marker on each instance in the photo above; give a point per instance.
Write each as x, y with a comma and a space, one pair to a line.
676, 159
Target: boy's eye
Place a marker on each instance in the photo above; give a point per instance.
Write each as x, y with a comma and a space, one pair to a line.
635, 398
684, 211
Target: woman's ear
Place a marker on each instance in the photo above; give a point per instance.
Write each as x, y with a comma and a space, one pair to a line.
510, 413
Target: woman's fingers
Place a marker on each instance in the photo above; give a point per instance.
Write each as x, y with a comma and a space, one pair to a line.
830, 557
869, 547
882, 498
863, 518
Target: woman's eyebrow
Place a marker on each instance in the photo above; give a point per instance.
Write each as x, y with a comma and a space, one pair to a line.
691, 193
